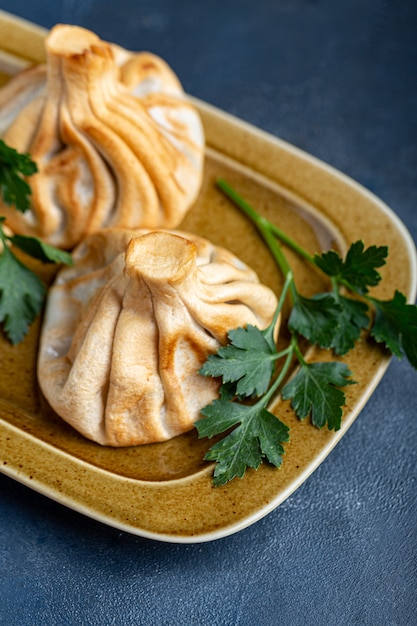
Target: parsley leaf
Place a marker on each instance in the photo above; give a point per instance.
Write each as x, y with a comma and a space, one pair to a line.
22, 293
13, 166
315, 390
395, 325
330, 320
21, 296
247, 360
316, 318
258, 434
357, 271
40, 250
353, 318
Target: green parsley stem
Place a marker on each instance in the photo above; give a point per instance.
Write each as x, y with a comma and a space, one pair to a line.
260, 220
277, 382
291, 243
264, 227
279, 355
269, 332
3, 237
297, 351
289, 280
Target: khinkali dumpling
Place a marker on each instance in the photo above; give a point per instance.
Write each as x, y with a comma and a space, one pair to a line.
127, 328
115, 140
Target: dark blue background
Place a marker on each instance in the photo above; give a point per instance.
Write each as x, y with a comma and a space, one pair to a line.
339, 80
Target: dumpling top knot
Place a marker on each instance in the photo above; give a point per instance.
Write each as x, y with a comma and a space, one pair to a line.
160, 257
66, 40
115, 140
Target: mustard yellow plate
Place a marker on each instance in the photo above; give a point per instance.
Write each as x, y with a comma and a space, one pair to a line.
164, 491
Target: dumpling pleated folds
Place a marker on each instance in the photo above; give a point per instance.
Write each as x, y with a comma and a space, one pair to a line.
128, 327
115, 140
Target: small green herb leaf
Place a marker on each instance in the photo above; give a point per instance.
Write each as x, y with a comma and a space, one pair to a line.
316, 318
22, 293
353, 319
13, 165
21, 296
257, 434
40, 250
247, 360
315, 390
219, 416
272, 434
330, 262
395, 325
357, 271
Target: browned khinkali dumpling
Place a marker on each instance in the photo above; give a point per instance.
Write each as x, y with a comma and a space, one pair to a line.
128, 327
115, 140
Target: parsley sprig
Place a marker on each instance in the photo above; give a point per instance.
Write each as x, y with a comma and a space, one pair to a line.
247, 365
13, 166
22, 293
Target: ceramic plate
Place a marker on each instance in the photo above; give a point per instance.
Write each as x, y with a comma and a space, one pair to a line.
164, 491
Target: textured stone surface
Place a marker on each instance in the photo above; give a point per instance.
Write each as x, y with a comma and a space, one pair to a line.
337, 80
